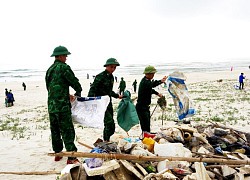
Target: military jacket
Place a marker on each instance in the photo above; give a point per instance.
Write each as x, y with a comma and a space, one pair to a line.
103, 85
146, 90
59, 77
134, 83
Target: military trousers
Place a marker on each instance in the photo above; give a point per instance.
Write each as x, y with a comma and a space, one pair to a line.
62, 131
121, 91
109, 124
144, 117
134, 88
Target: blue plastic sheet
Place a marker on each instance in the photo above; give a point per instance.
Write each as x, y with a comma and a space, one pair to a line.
179, 92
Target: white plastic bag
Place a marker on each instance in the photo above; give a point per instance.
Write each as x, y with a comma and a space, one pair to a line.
236, 86
90, 111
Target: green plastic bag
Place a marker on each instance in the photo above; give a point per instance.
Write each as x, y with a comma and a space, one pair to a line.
126, 113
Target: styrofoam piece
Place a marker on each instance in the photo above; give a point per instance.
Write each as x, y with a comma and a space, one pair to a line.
172, 149
107, 166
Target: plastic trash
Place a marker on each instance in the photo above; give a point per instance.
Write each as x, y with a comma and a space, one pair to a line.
94, 162
166, 164
150, 143
171, 149
218, 150
178, 91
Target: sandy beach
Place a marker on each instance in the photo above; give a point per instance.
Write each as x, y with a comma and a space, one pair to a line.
25, 133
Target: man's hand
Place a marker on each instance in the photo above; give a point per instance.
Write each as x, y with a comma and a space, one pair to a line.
160, 95
72, 98
164, 79
120, 96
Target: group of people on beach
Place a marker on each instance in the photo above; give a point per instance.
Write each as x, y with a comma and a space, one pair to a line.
122, 85
9, 98
59, 77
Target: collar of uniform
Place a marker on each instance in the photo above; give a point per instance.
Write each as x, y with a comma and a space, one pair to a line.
106, 72
147, 78
58, 61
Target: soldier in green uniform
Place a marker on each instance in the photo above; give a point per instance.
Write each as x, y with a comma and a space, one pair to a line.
122, 86
134, 85
59, 77
103, 85
144, 96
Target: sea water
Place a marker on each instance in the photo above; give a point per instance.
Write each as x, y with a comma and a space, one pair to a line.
23, 75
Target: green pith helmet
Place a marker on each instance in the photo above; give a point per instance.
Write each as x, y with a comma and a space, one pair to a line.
60, 50
111, 61
149, 69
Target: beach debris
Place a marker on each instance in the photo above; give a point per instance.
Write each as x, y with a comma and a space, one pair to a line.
179, 92
149, 142
30, 173
227, 171
162, 102
73, 171
163, 105
165, 174
201, 172
166, 164
172, 149
207, 151
144, 172
86, 145
131, 168
106, 167
175, 133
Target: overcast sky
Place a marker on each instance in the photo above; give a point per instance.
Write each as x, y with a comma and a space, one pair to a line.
133, 31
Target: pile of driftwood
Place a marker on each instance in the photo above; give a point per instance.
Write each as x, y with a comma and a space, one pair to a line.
210, 151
